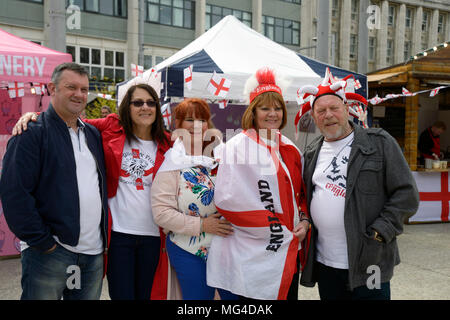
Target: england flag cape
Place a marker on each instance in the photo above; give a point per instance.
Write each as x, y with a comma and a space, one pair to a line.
260, 196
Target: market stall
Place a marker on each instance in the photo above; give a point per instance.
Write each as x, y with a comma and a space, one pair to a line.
25, 69
233, 52
407, 99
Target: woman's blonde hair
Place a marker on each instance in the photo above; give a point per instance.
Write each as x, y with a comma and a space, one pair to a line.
268, 98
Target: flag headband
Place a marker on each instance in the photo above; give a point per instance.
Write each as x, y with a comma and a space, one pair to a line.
262, 88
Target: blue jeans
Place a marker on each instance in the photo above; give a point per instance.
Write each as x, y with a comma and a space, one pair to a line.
333, 285
61, 274
191, 274
132, 262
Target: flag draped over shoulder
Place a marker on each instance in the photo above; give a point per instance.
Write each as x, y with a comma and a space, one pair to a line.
259, 195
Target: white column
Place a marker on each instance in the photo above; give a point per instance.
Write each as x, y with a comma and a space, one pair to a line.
132, 34
400, 35
382, 36
417, 31
257, 15
433, 30
363, 37
344, 34
55, 25
200, 17
307, 27
447, 28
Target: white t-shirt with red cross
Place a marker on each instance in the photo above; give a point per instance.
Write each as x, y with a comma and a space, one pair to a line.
328, 202
131, 207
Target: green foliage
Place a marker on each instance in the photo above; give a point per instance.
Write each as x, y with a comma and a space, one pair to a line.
93, 109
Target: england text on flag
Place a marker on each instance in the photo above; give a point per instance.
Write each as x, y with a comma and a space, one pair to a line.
219, 86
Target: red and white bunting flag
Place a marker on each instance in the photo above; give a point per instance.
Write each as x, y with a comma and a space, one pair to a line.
39, 88
104, 96
299, 98
219, 86
137, 71
435, 91
357, 84
167, 114
407, 93
16, 89
376, 100
223, 104
188, 77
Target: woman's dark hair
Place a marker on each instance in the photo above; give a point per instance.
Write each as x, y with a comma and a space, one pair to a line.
158, 130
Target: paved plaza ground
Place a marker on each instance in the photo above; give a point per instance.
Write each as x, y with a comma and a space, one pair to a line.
424, 273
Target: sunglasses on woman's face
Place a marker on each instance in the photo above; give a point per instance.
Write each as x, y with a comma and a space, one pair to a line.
140, 103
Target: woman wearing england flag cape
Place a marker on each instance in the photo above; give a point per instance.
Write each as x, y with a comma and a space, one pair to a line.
259, 189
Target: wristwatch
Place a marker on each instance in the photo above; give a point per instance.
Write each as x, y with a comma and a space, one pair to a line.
377, 236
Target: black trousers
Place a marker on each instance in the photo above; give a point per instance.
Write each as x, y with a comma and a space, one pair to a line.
333, 285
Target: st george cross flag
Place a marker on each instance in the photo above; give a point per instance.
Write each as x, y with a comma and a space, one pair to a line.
39, 88
407, 93
104, 96
435, 91
137, 71
357, 84
223, 104
188, 77
16, 89
218, 85
299, 98
376, 100
259, 259
167, 115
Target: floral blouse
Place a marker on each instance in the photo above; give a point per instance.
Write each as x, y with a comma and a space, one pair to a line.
195, 198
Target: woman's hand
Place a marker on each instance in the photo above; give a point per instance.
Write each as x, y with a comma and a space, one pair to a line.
213, 224
21, 124
301, 229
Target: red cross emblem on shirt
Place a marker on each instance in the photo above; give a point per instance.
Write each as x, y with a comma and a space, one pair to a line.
139, 183
443, 196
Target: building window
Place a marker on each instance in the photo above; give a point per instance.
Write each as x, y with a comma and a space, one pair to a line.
390, 51
281, 30
409, 18
353, 46
335, 9
117, 8
441, 23
293, 1
355, 10
177, 13
372, 45
101, 64
425, 21
407, 51
215, 13
391, 16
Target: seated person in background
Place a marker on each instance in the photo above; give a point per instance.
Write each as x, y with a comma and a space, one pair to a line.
429, 142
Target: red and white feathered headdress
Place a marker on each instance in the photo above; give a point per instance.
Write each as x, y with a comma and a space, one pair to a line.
329, 86
264, 80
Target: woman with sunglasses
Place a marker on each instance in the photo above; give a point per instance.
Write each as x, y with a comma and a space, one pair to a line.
134, 143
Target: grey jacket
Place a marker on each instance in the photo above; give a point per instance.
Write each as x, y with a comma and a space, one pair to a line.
381, 194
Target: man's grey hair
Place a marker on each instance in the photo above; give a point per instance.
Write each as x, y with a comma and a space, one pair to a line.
67, 66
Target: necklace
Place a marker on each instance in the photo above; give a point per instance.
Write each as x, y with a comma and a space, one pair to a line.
337, 155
